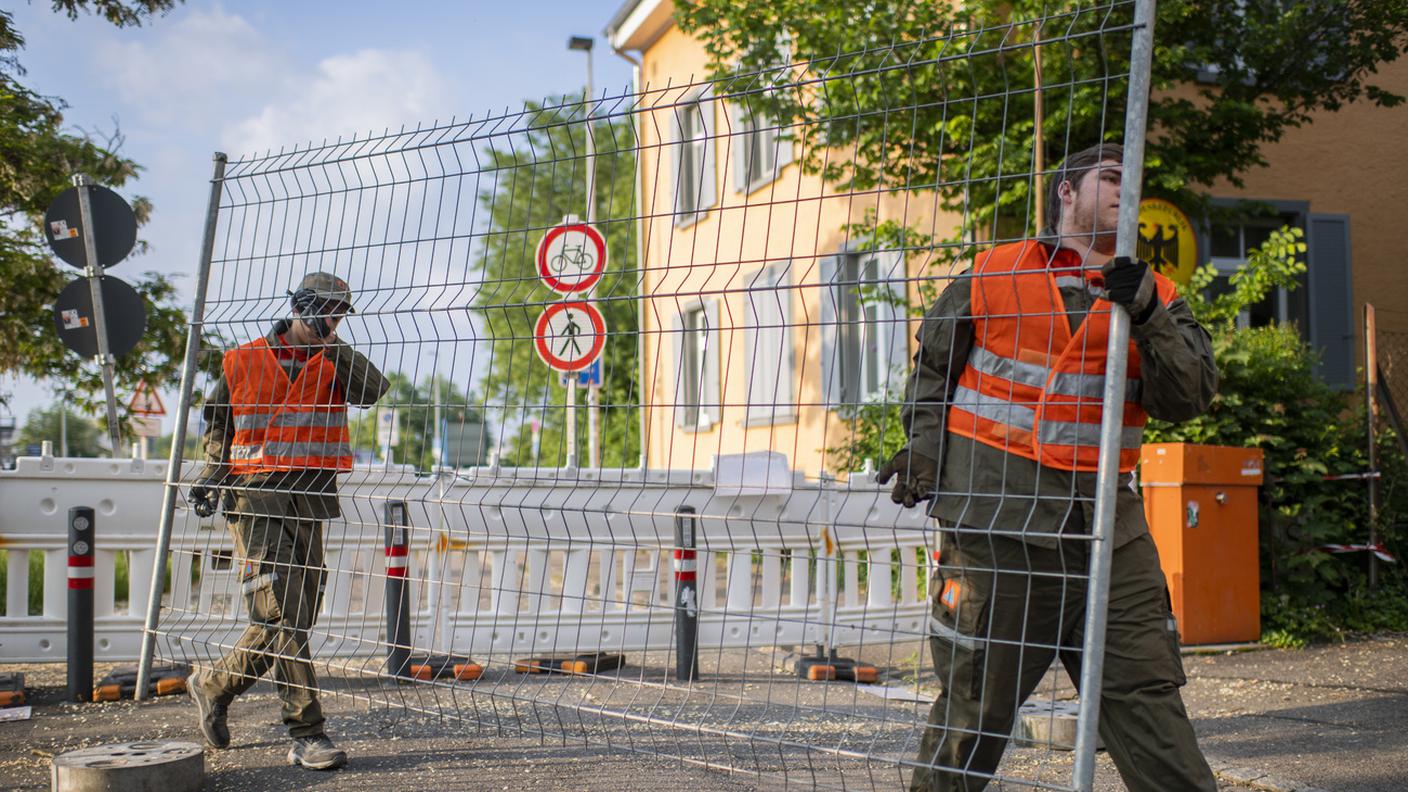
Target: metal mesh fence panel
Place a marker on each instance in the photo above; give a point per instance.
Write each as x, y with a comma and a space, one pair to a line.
597, 463
1393, 360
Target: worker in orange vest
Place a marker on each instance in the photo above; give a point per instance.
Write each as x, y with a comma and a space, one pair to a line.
1002, 413
276, 438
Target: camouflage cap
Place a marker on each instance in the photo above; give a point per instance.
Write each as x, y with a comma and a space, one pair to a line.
328, 286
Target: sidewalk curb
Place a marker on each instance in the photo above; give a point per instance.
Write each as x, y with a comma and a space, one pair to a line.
1257, 779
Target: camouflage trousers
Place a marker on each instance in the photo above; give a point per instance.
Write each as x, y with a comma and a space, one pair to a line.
282, 581
1003, 611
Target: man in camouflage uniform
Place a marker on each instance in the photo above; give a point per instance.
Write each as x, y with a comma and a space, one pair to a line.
1010, 594
276, 438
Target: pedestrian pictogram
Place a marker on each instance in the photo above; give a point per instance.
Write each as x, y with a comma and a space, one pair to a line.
571, 257
569, 335
146, 401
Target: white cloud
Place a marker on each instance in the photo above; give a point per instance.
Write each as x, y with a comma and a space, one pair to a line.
191, 72
214, 74
344, 95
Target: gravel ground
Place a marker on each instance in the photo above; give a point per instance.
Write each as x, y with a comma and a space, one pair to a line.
1333, 717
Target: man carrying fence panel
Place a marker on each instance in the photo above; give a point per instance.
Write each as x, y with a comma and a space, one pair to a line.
275, 441
1002, 413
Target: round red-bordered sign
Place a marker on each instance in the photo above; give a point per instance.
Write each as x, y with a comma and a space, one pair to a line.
571, 258
569, 335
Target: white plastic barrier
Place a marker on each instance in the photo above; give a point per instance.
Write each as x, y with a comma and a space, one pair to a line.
501, 560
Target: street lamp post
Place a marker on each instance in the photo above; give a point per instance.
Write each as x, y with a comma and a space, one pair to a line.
584, 44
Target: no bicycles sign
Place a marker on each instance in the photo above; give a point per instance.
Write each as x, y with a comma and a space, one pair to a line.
571, 257
569, 335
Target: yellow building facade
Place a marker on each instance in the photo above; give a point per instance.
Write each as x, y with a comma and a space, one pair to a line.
753, 333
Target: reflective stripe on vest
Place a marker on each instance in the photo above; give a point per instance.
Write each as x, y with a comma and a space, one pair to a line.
278, 449
994, 409
1086, 434
1023, 417
316, 418
252, 420
1064, 383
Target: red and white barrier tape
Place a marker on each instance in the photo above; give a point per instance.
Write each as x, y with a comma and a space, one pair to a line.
1377, 549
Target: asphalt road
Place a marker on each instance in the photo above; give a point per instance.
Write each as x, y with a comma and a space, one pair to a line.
1334, 717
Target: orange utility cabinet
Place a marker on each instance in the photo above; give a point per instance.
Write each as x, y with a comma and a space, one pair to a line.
1201, 505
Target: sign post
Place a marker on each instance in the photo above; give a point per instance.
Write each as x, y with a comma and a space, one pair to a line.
95, 274
571, 259
91, 227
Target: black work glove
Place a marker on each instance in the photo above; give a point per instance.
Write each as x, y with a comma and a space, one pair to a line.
918, 477
1130, 282
204, 498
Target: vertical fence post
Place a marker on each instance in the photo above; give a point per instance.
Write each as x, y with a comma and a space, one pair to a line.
398, 605
1371, 384
81, 534
686, 595
1112, 421
189, 370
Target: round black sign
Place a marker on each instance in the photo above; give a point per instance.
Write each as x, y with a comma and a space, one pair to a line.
114, 227
122, 306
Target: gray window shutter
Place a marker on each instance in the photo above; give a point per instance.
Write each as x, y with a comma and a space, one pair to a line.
678, 146
895, 326
786, 141
738, 141
1331, 299
830, 346
679, 395
785, 390
708, 190
711, 397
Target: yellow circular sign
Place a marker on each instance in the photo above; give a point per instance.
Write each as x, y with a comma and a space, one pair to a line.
1166, 240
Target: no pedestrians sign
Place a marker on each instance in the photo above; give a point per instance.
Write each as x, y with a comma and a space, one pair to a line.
569, 335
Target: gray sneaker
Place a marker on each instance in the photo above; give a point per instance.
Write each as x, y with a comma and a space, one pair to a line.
316, 753
212, 714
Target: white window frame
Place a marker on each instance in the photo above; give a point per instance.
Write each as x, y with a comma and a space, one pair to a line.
769, 363
697, 370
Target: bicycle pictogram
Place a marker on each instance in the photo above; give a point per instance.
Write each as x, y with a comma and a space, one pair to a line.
571, 257
577, 256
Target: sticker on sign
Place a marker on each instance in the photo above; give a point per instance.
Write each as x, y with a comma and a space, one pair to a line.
569, 335
571, 257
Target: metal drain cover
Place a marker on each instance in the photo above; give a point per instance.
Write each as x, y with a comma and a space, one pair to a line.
154, 766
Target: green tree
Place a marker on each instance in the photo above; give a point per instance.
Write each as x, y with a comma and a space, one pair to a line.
929, 95
539, 179
38, 155
84, 434
415, 417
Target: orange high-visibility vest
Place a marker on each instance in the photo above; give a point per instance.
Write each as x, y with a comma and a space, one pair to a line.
1030, 387
283, 425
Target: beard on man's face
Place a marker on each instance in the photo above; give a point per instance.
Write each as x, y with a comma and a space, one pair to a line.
1092, 219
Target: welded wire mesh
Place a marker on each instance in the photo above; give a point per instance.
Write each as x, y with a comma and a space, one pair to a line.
773, 242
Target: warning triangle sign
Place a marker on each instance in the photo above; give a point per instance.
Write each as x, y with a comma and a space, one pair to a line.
146, 401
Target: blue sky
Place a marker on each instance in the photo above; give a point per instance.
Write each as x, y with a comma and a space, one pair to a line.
244, 77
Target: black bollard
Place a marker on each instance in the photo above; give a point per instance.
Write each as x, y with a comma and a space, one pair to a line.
398, 605
80, 603
686, 596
